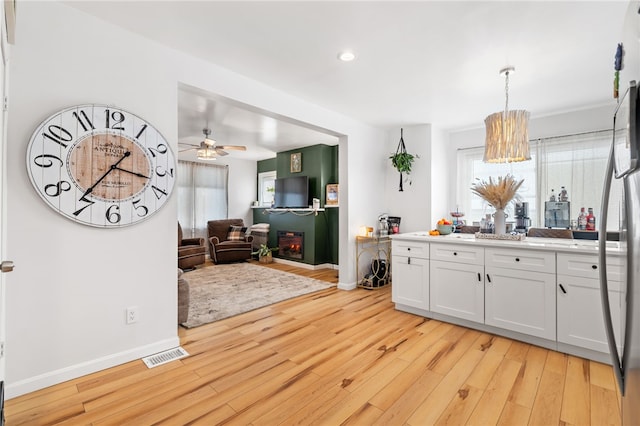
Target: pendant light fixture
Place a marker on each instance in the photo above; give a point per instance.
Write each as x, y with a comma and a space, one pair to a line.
507, 138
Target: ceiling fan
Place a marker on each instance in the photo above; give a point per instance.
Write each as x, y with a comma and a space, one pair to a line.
208, 150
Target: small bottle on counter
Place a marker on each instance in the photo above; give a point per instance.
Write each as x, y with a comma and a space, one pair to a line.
582, 220
553, 196
486, 224
564, 195
591, 220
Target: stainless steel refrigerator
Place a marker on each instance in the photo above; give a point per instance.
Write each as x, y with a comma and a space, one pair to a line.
624, 164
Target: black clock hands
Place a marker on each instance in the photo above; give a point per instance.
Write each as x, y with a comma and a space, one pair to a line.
133, 173
112, 168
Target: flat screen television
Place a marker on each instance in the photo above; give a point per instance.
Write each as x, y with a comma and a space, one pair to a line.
292, 192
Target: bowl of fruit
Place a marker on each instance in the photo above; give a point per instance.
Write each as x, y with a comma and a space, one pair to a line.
444, 226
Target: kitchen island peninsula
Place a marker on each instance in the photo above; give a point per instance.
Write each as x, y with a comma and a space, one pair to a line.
542, 291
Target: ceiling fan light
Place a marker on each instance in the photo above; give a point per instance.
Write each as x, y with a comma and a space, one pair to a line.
206, 154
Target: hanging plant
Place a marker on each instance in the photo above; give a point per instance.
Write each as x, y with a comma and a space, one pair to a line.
402, 161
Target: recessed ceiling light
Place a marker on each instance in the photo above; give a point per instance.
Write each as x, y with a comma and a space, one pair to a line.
346, 56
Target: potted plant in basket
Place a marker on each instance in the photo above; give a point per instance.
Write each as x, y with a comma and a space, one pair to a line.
402, 160
265, 253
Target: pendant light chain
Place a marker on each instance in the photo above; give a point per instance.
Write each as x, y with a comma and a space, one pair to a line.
506, 106
506, 93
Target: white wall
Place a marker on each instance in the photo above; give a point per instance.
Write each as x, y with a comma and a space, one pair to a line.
67, 296
427, 198
442, 196
413, 203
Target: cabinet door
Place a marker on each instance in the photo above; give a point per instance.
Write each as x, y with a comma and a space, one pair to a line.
580, 321
521, 301
410, 281
457, 289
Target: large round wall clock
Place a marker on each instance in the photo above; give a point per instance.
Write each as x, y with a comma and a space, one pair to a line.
101, 166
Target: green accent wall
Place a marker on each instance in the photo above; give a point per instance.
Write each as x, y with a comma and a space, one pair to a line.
320, 164
267, 165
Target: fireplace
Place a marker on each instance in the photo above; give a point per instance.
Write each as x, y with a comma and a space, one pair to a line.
291, 244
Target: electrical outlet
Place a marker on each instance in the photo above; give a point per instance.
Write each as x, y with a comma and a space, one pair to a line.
132, 314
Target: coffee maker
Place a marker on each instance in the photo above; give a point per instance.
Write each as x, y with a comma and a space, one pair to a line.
523, 222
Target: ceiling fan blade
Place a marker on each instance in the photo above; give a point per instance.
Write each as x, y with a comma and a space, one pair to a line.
233, 147
190, 140
188, 149
220, 152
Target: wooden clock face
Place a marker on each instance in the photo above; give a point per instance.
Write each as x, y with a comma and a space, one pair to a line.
100, 166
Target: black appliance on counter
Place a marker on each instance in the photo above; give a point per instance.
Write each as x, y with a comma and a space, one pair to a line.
523, 222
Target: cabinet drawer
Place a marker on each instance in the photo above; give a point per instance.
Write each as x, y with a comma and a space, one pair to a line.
410, 248
525, 260
587, 266
457, 253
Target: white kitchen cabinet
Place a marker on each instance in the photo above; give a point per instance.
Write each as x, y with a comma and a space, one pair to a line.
457, 289
518, 297
580, 321
457, 281
542, 291
410, 269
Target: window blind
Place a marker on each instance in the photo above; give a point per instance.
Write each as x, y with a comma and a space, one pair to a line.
202, 196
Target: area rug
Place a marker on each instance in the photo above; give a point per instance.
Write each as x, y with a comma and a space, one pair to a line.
222, 291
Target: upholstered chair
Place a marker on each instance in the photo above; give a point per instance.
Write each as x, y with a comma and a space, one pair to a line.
228, 241
183, 298
191, 251
469, 229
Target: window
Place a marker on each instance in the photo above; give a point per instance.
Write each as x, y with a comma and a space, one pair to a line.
576, 162
266, 188
471, 167
202, 196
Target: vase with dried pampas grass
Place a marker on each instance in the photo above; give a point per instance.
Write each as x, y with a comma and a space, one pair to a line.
499, 193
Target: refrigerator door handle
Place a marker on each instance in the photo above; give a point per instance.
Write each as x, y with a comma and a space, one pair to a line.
604, 287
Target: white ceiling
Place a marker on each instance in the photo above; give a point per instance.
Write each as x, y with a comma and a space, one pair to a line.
417, 62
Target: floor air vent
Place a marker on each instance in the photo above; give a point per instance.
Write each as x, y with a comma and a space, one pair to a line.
165, 357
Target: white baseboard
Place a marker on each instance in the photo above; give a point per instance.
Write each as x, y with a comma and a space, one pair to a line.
74, 371
347, 286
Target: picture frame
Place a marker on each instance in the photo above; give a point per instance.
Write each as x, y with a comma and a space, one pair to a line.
296, 162
332, 195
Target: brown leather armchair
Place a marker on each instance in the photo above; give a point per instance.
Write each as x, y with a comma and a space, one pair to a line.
223, 250
191, 251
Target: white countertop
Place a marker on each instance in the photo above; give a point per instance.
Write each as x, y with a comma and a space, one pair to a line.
531, 243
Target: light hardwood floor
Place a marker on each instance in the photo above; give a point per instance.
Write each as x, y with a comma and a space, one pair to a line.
336, 357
